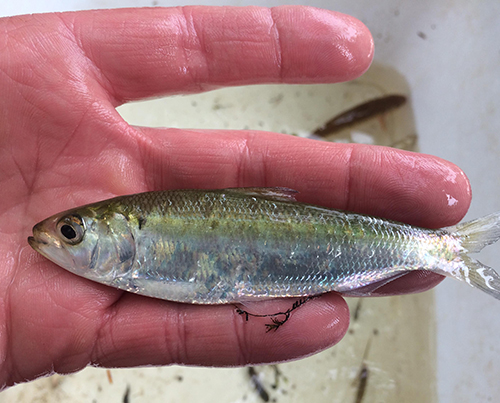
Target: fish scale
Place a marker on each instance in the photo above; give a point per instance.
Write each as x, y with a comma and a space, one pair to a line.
235, 245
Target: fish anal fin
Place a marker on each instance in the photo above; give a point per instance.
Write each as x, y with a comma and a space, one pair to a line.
368, 290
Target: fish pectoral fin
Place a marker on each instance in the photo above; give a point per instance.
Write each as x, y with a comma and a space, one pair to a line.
275, 193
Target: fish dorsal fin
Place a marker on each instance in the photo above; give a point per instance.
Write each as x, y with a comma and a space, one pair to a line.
276, 193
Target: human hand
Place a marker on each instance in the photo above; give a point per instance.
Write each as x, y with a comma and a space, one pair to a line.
62, 144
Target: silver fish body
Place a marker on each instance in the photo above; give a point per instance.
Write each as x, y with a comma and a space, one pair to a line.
235, 245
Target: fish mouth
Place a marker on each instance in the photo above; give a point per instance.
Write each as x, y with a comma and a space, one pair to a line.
40, 239
35, 244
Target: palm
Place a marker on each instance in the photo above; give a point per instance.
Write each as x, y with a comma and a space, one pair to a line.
63, 144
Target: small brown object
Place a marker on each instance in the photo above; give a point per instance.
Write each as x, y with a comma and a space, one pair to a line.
363, 374
110, 378
261, 391
360, 113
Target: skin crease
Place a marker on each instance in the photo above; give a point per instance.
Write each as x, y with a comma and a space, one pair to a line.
62, 144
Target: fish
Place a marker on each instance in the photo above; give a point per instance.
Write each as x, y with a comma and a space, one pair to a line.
245, 244
360, 113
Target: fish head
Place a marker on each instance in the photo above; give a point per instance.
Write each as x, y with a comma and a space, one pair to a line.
88, 241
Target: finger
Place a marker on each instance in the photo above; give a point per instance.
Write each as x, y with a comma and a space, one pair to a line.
153, 51
147, 331
413, 188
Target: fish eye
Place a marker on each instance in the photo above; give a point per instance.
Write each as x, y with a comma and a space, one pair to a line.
68, 232
71, 229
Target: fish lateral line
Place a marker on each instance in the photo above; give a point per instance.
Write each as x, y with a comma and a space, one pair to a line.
276, 323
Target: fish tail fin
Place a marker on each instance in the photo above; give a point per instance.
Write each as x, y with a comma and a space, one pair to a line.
480, 276
475, 235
